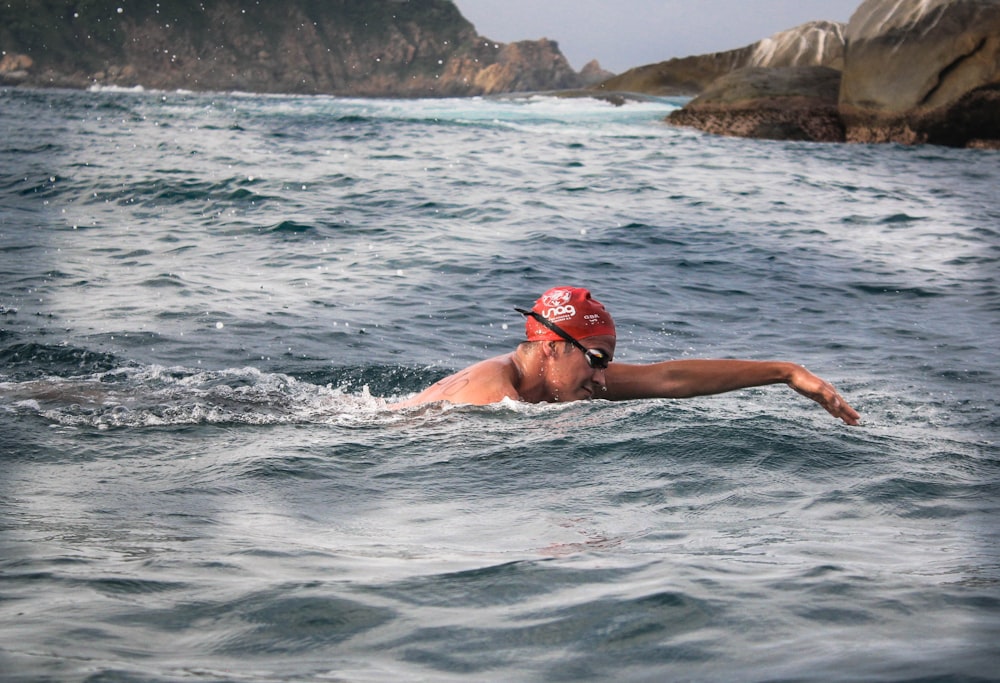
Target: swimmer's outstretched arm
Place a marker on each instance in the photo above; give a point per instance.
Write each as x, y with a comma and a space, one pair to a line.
687, 378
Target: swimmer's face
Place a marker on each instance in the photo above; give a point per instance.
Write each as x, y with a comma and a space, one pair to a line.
571, 377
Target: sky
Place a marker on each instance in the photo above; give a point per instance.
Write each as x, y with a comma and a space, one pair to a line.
622, 34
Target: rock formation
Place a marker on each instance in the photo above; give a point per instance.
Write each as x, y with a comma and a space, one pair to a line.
914, 71
592, 73
347, 47
682, 76
909, 71
923, 71
817, 43
784, 87
784, 103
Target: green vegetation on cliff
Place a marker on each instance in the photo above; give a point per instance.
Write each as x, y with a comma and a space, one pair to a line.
368, 47
66, 30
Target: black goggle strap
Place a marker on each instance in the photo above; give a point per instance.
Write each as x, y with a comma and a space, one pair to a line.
592, 355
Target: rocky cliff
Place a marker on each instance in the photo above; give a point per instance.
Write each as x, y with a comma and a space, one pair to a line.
346, 47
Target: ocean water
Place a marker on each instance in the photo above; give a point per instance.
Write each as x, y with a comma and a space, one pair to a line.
207, 299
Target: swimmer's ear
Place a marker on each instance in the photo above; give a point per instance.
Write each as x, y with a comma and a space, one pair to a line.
550, 349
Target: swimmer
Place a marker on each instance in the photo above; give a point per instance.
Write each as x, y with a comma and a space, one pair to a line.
568, 353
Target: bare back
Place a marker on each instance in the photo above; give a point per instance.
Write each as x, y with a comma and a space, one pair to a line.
488, 381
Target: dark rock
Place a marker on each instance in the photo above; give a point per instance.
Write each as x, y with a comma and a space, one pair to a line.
619, 99
920, 71
785, 103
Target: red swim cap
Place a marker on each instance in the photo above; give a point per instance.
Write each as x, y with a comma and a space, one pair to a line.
572, 309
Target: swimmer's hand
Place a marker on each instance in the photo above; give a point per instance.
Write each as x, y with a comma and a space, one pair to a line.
821, 391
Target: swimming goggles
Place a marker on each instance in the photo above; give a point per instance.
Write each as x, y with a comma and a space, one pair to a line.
596, 359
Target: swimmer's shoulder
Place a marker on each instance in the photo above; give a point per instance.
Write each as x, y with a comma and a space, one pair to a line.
488, 381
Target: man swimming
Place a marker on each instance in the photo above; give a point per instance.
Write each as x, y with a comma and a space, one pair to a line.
568, 357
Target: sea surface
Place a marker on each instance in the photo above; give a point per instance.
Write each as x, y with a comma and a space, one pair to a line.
207, 300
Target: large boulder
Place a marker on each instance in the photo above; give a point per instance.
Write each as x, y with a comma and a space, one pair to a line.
783, 103
923, 71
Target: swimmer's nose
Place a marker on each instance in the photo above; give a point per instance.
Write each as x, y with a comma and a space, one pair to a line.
600, 376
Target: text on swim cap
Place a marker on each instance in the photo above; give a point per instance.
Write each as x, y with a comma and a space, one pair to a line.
559, 312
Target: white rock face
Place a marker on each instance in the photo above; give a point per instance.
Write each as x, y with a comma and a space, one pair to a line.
817, 43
